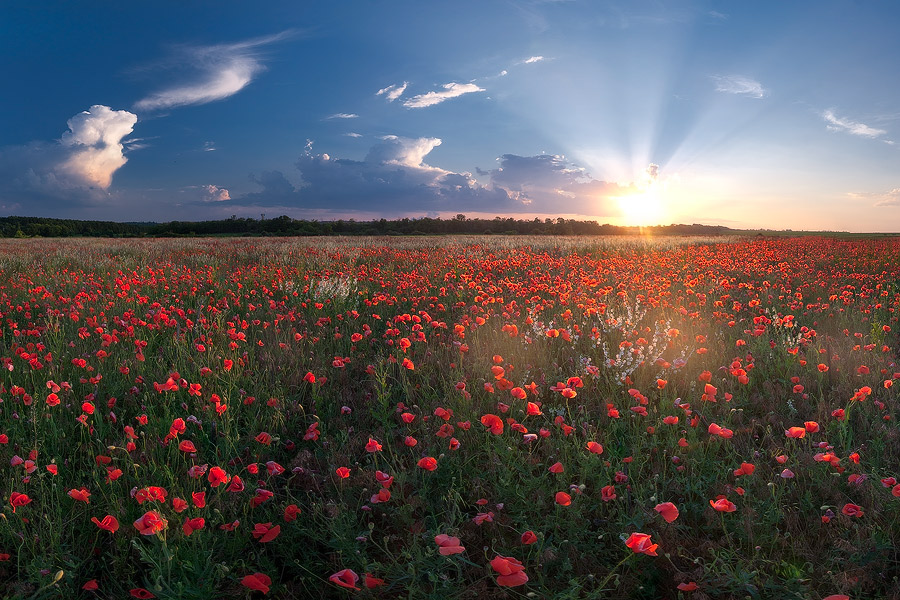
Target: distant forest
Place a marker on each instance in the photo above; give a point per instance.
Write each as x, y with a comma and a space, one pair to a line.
11, 227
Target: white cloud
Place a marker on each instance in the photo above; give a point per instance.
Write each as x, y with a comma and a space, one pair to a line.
406, 152
451, 90
392, 92
742, 86
95, 139
353, 134
214, 193
889, 198
534, 59
209, 147
342, 116
836, 123
221, 71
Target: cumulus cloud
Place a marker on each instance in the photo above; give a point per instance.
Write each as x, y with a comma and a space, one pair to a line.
836, 123
396, 179
95, 142
451, 90
342, 116
392, 92
214, 193
741, 86
219, 71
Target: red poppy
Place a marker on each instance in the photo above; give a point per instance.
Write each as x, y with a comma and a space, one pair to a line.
16, 499
796, 432
80, 495
595, 448
688, 587
528, 538
90, 585
493, 422
109, 523
290, 512
217, 476
373, 446
448, 545
668, 511
641, 543
151, 522
722, 504
511, 571
607, 493
563, 499
346, 579
142, 593
556, 468
852, 510
372, 582
257, 582
745, 469
264, 532
187, 446
192, 525
428, 463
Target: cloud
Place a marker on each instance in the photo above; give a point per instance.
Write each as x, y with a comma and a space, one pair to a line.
451, 90
741, 86
214, 193
835, 123
889, 198
551, 184
95, 142
392, 92
209, 147
533, 60
219, 71
342, 116
353, 134
76, 170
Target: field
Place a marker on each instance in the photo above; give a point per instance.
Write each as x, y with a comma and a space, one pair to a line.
450, 418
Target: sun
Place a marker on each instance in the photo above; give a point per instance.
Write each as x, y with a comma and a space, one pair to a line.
642, 208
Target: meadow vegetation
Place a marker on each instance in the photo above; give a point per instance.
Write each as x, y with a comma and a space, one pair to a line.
455, 417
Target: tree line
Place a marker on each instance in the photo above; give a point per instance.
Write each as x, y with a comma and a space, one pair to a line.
286, 226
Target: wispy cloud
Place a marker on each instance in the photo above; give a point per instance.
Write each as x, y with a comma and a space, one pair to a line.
392, 92
353, 134
342, 116
836, 123
741, 86
209, 147
220, 71
451, 90
533, 60
889, 198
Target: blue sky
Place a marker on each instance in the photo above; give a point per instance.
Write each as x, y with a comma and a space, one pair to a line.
779, 115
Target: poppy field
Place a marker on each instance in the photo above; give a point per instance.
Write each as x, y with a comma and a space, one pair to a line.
450, 418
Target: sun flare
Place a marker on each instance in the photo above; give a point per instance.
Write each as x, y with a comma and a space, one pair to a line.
642, 208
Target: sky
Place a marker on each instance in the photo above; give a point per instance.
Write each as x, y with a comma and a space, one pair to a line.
750, 115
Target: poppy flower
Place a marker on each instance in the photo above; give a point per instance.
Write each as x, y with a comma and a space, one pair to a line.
90, 585
187, 446
290, 512
428, 463
528, 538
688, 587
836, 597
192, 525
264, 532
109, 523
257, 582
556, 468
373, 446
668, 511
722, 504
493, 422
342, 472
80, 495
852, 510
448, 545
745, 469
563, 499
607, 493
217, 476
142, 593
511, 571
595, 448
151, 522
346, 579
16, 499
372, 582
796, 432
642, 544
